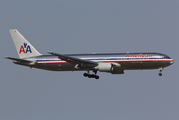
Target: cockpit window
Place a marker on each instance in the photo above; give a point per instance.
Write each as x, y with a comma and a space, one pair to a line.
166, 57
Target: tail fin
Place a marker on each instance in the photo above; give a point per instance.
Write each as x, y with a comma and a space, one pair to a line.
23, 47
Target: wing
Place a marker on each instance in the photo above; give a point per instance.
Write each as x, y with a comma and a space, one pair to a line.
76, 61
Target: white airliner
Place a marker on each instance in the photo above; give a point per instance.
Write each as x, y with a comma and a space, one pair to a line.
114, 63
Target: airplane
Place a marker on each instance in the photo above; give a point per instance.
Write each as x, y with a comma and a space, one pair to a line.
114, 63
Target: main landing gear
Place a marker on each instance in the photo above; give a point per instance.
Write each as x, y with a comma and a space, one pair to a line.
160, 73
91, 75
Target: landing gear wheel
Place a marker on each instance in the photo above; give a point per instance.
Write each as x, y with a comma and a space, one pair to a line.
85, 74
89, 76
96, 77
93, 76
160, 74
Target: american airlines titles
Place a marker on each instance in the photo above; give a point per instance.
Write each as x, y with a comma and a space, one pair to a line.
138, 55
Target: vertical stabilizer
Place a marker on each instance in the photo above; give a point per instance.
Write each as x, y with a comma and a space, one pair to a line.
23, 47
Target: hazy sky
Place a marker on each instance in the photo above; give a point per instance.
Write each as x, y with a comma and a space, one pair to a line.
89, 26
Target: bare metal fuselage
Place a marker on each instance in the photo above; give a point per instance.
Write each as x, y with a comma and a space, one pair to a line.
127, 61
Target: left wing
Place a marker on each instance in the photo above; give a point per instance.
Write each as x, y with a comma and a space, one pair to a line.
76, 61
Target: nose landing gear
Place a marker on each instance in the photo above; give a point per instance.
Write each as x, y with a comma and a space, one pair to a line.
160, 73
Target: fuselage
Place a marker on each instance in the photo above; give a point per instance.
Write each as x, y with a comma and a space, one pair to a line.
127, 61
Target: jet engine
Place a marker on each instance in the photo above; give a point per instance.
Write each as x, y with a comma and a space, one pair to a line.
113, 68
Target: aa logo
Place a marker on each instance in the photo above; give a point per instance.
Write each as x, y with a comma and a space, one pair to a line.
25, 49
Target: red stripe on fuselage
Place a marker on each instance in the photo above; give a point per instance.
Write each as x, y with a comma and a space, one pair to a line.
119, 61
52, 62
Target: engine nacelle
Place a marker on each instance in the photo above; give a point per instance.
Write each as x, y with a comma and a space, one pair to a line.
105, 67
113, 68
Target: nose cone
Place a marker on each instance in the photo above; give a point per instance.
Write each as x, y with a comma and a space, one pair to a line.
171, 61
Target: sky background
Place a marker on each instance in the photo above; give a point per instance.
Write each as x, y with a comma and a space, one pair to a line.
89, 26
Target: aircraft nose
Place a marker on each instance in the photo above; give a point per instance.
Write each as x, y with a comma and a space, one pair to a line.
172, 61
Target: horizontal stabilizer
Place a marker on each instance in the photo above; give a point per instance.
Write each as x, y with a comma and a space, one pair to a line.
17, 59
